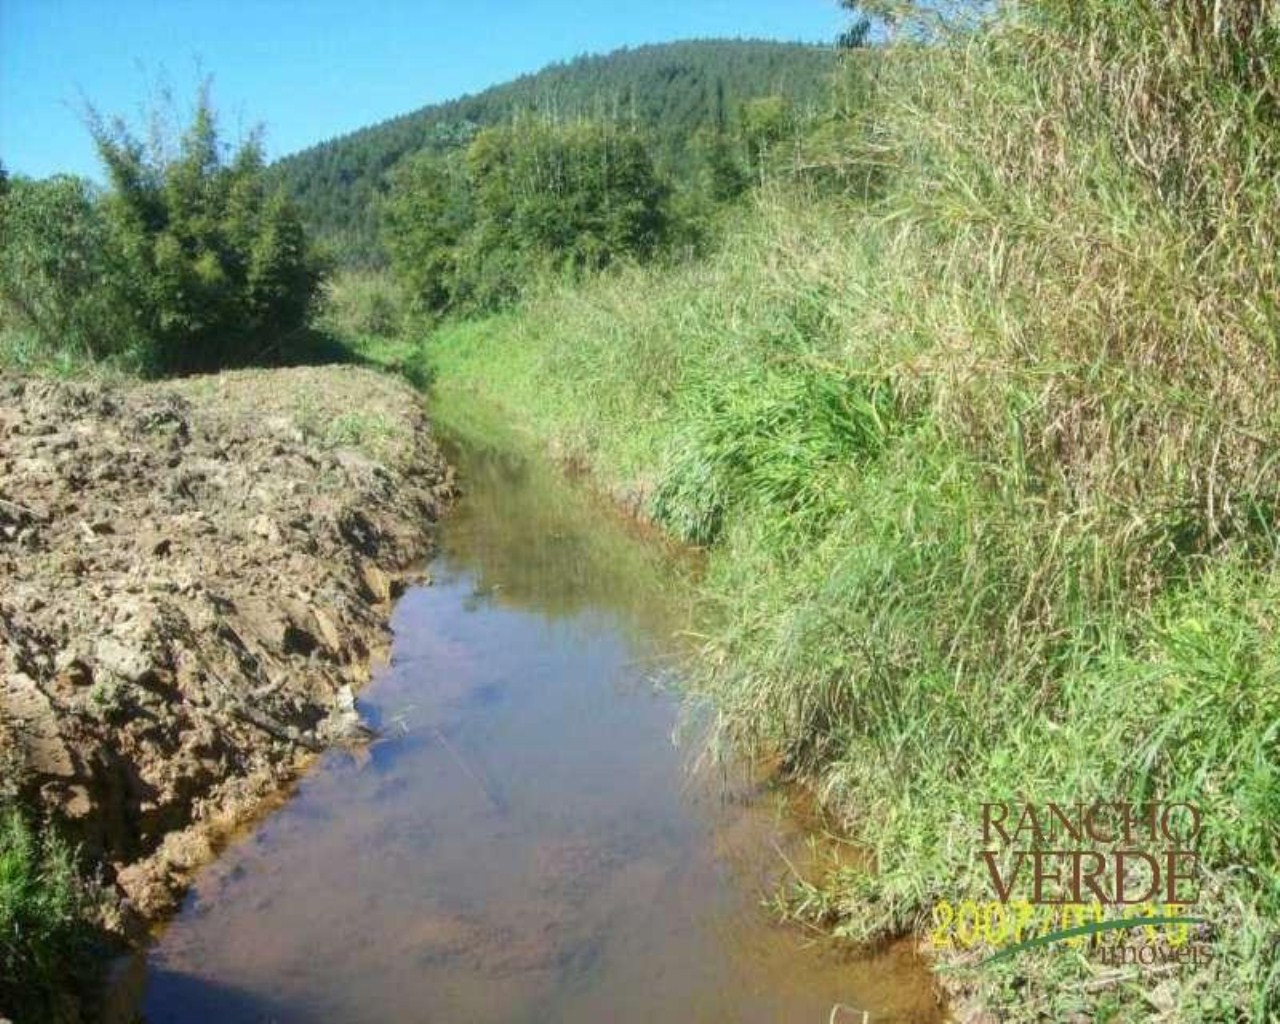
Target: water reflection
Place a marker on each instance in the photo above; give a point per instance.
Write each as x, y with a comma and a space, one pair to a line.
554, 550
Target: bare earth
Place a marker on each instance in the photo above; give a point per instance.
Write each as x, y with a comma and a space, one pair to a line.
194, 579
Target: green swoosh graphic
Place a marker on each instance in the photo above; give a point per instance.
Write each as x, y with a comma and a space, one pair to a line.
1092, 928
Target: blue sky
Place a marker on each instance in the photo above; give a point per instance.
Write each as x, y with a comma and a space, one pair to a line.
312, 69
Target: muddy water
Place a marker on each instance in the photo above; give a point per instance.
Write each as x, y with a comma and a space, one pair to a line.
524, 842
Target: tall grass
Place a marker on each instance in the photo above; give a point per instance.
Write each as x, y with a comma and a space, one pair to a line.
361, 304
983, 439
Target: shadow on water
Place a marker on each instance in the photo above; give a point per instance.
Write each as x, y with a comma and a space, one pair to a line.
187, 996
523, 842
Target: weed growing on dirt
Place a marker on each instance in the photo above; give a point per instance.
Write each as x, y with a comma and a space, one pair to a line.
42, 906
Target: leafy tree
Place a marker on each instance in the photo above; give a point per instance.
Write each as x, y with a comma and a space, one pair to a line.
223, 265
766, 121
425, 216
723, 176
529, 197
580, 195
664, 94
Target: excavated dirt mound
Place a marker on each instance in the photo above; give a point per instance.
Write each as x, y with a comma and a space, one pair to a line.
194, 578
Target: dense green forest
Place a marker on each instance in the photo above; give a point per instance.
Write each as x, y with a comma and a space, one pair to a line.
471, 234
669, 94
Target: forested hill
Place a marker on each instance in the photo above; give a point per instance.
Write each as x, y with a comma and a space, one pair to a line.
667, 91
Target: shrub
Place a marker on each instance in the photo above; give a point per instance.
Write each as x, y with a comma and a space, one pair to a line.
63, 277
222, 268
43, 904
186, 262
529, 199
361, 304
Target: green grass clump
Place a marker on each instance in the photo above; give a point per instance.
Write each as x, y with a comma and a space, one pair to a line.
361, 304
43, 906
981, 432
363, 317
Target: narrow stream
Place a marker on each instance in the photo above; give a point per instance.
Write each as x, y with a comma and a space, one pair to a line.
524, 842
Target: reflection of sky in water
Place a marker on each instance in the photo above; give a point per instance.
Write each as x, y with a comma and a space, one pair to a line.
521, 844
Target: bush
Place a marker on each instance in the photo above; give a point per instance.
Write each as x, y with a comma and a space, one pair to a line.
361, 304
186, 263
529, 200
63, 278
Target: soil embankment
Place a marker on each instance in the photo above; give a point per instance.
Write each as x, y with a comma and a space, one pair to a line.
196, 577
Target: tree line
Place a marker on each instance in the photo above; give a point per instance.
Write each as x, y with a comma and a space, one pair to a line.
471, 229
195, 255
668, 94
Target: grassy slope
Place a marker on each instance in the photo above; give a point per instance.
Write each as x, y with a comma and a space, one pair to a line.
986, 466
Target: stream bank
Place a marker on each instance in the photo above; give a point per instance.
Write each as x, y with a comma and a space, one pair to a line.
197, 577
